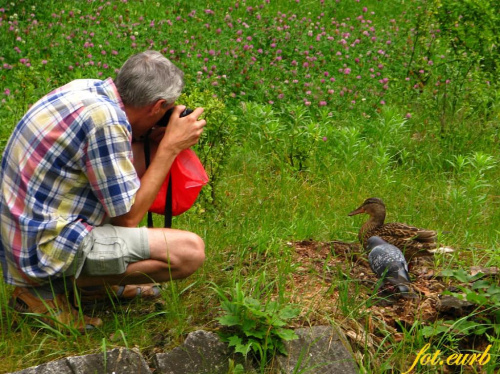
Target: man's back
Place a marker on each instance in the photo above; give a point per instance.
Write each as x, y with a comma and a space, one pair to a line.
67, 166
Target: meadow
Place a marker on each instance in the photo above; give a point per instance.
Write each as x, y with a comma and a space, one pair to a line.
312, 106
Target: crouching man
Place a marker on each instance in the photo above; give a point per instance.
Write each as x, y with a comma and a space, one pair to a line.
73, 189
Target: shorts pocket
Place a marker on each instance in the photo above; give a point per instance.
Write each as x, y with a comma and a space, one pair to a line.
106, 257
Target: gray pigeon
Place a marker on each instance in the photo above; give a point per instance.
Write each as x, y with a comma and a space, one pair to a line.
387, 261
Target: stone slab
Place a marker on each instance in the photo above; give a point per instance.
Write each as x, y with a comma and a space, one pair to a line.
118, 361
318, 350
201, 353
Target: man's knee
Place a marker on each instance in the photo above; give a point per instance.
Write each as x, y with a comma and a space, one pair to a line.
182, 251
192, 255
197, 246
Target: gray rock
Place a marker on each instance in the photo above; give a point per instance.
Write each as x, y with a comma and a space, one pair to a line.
318, 349
202, 352
118, 361
54, 367
454, 306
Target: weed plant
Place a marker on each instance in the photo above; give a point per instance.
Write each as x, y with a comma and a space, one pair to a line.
312, 106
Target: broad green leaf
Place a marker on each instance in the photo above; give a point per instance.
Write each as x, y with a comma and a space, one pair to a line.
230, 307
461, 275
286, 334
476, 298
480, 284
243, 348
281, 349
248, 325
429, 331
259, 334
494, 289
448, 273
229, 320
253, 303
277, 322
289, 312
234, 341
272, 307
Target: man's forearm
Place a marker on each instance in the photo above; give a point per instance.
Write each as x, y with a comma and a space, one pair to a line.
151, 183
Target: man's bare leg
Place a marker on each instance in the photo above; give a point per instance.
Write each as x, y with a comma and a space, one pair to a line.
175, 254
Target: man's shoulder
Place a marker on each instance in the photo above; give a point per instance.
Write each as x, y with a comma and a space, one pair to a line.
77, 85
98, 99
90, 90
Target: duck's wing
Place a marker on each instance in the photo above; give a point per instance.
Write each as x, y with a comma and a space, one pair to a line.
403, 234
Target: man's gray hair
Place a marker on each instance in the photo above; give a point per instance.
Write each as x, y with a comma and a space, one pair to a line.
148, 77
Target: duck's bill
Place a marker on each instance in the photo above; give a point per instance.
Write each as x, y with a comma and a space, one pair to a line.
357, 211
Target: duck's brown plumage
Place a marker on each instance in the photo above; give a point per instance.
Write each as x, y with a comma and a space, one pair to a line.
413, 241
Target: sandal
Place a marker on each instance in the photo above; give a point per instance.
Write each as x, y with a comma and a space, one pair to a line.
133, 291
100, 295
57, 312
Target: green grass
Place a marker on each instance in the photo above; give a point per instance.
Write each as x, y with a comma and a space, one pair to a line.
288, 160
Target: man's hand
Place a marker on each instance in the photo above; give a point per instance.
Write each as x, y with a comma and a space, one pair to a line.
182, 133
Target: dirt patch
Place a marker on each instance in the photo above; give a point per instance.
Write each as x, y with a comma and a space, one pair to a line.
333, 280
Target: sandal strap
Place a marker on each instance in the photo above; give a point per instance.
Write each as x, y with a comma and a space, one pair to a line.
134, 291
118, 291
125, 292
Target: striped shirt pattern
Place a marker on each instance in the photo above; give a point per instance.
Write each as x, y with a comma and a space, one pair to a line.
67, 167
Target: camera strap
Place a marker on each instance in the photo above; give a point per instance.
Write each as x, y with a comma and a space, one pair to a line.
168, 199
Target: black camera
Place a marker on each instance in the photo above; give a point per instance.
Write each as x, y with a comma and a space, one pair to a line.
163, 122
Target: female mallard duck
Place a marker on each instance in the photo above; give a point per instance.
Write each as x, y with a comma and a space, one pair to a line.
414, 242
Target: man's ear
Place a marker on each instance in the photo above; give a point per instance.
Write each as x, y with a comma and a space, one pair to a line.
160, 104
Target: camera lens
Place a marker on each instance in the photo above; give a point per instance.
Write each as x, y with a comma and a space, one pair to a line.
186, 112
163, 122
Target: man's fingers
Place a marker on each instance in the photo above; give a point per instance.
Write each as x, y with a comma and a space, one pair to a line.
197, 112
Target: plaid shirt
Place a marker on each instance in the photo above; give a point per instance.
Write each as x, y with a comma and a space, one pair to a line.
66, 168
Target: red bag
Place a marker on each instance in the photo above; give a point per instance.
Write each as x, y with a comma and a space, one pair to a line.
188, 177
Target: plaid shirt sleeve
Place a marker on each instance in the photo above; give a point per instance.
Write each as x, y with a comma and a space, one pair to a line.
109, 163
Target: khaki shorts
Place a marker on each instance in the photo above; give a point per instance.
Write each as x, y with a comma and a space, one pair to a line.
107, 250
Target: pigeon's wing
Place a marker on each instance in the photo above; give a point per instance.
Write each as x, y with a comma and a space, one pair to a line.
376, 259
397, 273
382, 256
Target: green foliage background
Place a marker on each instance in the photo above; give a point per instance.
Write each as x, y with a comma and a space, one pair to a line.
312, 106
